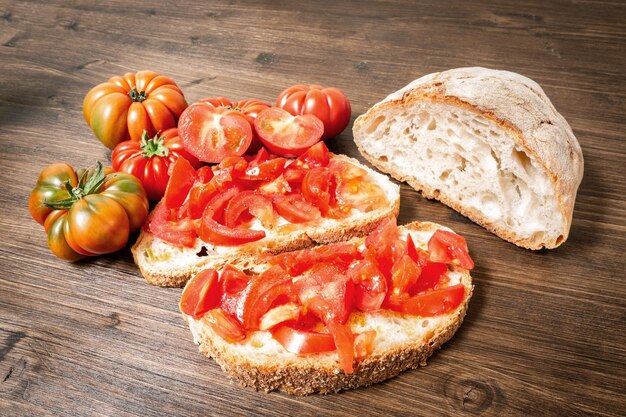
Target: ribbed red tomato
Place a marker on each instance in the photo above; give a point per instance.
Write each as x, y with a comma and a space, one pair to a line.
123, 107
329, 104
150, 158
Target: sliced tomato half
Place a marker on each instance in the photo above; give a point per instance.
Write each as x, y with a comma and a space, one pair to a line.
212, 133
287, 135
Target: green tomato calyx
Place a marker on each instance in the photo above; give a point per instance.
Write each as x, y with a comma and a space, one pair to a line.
137, 96
153, 146
90, 182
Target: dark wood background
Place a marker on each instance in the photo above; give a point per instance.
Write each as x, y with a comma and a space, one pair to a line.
545, 333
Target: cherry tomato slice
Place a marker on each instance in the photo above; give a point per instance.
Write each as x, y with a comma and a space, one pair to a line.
211, 134
261, 292
258, 205
227, 327
212, 232
182, 177
201, 294
295, 209
287, 135
435, 302
302, 342
449, 248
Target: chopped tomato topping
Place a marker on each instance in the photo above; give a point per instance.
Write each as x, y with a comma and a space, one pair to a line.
295, 209
256, 204
201, 294
364, 344
227, 327
303, 342
261, 293
182, 177
449, 248
434, 302
164, 225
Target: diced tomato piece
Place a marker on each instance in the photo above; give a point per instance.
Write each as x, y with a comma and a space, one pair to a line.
233, 282
379, 244
215, 233
262, 171
279, 314
182, 177
431, 275
201, 294
278, 186
434, 302
295, 171
316, 156
404, 274
297, 262
327, 292
316, 187
199, 197
226, 326
361, 195
261, 293
258, 205
177, 232
420, 256
295, 209
302, 342
204, 174
370, 285
218, 202
449, 248
345, 171
344, 341
262, 155
364, 344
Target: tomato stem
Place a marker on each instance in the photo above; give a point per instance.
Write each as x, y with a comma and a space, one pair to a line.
153, 146
90, 182
137, 96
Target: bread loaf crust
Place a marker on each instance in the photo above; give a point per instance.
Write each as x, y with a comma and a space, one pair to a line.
520, 107
303, 375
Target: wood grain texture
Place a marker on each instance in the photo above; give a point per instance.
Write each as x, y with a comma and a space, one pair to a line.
545, 333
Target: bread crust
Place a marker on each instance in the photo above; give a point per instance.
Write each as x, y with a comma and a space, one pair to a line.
516, 104
244, 256
322, 373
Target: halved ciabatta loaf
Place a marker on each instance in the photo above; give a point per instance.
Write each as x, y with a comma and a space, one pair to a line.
401, 342
487, 143
167, 265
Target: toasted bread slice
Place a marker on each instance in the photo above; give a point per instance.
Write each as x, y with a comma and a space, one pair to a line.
166, 265
402, 342
487, 143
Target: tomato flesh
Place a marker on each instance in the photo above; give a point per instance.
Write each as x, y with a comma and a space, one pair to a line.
213, 232
258, 205
227, 327
435, 302
295, 209
287, 135
303, 342
201, 294
182, 177
212, 133
449, 248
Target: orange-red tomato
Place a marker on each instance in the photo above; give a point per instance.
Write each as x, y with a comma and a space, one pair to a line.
449, 248
124, 107
150, 158
89, 212
302, 342
328, 104
226, 326
201, 294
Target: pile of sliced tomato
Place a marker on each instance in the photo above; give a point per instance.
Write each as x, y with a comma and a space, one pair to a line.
219, 204
306, 297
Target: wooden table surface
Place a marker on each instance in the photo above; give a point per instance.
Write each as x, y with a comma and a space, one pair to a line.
545, 332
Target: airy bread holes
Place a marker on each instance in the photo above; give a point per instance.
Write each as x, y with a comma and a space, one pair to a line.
522, 159
374, 125
432, 125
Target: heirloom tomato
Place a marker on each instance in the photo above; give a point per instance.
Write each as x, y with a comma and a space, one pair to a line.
328, 104
87, 212
150, 158
123, 107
